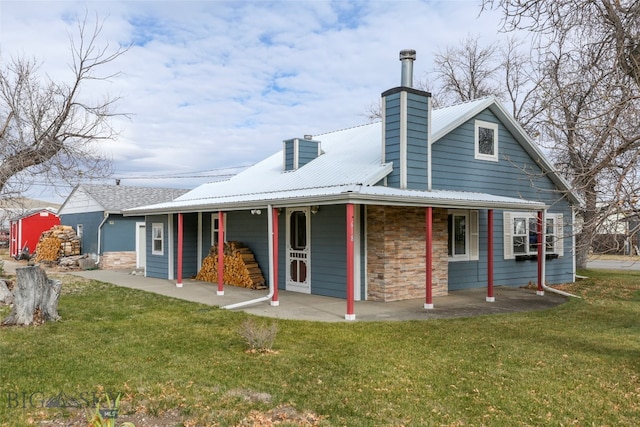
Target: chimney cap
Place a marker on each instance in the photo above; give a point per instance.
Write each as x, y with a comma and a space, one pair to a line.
407, 54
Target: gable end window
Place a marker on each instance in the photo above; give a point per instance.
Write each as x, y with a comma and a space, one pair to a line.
521, 234
486, 141
463, 235
157, 239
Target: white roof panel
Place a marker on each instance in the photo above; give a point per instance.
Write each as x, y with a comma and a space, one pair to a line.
348, 169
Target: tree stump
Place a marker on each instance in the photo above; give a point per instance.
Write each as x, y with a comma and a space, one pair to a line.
35, 297
6, 296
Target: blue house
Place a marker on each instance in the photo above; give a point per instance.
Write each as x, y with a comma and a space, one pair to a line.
417, 205
95, 212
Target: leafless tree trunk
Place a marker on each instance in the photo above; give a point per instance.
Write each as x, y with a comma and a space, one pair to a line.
35, 297
49, 129
590, 90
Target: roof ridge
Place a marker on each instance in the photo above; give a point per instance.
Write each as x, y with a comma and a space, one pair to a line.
348, 128
469, 101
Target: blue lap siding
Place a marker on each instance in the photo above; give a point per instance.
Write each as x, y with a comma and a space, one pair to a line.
514, 175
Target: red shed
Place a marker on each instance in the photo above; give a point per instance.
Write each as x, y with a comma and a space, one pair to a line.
26, 230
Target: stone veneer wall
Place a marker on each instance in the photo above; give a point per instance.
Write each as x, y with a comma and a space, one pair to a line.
117, 260
396, 249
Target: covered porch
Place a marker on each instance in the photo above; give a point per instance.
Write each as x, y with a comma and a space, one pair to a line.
437, 199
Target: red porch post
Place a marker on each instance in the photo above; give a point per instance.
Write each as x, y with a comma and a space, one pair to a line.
274, 298
490, 297
180, 243
351, 315
541, 242
429, 258
220, 253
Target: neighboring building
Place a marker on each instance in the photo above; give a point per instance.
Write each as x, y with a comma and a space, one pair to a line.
25, 230
421, 204
15, 207
95, 212
618, 233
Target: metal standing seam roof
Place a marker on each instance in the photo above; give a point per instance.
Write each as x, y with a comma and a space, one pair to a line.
348, 170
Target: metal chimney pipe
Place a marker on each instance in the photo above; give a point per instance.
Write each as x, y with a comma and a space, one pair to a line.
407, 56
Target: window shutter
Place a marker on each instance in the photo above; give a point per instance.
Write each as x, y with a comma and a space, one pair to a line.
474, 246
559, 235
507, 230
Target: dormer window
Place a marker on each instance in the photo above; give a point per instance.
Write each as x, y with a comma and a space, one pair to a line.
486, 141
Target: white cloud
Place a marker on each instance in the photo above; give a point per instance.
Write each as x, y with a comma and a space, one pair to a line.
211, 84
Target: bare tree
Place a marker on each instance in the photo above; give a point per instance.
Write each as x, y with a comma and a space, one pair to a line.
614, 24
49, 129
590, 65
466, 71
503, 69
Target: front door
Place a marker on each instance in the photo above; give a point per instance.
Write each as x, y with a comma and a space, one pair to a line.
298, 250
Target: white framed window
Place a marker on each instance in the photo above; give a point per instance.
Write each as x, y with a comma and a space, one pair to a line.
521, 234
486, 141
157, 238
215, 228
463, 235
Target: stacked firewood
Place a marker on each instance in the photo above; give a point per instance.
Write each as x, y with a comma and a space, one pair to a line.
60, 241
240, 267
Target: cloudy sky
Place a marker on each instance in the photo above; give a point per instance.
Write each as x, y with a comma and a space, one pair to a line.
211, 85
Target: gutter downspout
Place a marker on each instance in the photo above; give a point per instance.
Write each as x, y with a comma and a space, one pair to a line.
271, 275
106, 216
544, 257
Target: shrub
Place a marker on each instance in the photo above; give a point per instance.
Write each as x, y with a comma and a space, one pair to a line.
258, 336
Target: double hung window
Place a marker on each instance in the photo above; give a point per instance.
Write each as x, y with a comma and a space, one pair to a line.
157, 238
521, 234
463, 235
215, 228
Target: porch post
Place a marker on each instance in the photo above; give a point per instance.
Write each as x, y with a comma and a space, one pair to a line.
274, 299
541, 244
429, 258
490, 297
350, 267
220, 253
180, 241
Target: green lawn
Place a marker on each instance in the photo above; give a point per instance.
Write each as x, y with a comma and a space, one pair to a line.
576, 364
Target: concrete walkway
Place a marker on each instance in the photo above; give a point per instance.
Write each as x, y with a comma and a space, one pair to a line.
293, 305
297, 306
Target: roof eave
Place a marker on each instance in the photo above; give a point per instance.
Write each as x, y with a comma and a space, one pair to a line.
343, 198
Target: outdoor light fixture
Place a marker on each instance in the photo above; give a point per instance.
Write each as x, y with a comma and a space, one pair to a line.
315, 209
256, 211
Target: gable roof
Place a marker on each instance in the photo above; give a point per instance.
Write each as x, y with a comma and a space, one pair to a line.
448, 118
32, 212
348, 171
116, 198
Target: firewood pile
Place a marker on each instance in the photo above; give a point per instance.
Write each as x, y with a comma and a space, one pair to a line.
60, 241
240, 267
